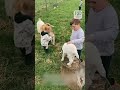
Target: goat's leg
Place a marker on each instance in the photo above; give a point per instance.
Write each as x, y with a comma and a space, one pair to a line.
101, 70
63, 55
46, 46
88, 82
76, 54
53, 40
78, 80
70, 62
83, 81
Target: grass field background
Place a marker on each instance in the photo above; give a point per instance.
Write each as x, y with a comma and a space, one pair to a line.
60, 18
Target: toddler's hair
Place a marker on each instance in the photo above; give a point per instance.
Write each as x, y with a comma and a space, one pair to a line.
75, 21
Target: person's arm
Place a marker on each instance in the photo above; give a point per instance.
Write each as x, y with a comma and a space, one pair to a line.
29, 27
111, 29
80, 40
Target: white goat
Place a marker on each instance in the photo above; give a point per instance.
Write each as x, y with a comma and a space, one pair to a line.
93, 64
45, 40
39, 25
71, 51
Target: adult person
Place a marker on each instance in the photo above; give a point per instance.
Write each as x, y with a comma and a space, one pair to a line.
102, 29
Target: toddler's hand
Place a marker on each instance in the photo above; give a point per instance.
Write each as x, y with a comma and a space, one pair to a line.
69, 42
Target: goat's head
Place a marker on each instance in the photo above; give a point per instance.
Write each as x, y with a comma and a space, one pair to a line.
46, 27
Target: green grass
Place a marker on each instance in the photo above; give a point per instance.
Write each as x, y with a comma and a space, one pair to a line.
60, 18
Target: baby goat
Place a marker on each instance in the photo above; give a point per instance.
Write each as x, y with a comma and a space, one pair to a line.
46, 27
70, 51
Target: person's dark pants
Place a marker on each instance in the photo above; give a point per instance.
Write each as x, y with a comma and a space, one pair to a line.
106, 63
79, 53
106, 60
22, 51
29, 58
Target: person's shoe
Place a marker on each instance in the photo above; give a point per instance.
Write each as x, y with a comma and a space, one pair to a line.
111, 81
114, 85
29, 59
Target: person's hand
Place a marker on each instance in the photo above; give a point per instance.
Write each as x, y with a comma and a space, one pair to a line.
89, 38
69, 42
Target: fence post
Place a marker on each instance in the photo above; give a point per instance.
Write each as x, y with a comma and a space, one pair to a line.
46, 4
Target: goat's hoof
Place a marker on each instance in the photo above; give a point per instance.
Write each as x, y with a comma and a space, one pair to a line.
69, 64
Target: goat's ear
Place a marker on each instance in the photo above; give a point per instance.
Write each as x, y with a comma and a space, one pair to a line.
49, 24
52, 26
